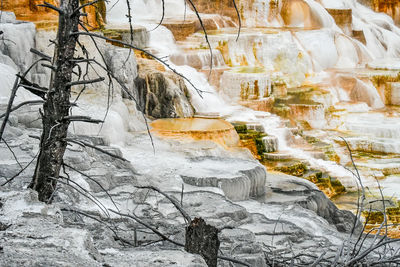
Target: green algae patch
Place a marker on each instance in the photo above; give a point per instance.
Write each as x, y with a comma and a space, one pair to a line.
251, 139
257, 138
331, 186
240, 128
292, 168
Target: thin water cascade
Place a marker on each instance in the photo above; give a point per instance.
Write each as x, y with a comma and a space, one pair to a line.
292, 56
243, 131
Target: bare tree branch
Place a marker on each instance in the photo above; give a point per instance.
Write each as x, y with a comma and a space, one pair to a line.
47, 5
172, 199
142, 50
9, 107
84, 144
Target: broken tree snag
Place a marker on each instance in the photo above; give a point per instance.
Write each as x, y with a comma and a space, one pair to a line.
202, 239
57, 104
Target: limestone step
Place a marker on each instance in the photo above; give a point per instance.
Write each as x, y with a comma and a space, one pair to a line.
238, 179
208, 115
276, 156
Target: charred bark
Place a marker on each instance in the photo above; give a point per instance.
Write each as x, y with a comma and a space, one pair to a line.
57, 104
202, 239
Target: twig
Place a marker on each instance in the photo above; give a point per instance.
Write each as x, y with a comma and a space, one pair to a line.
82, 118
83, 144
102, 222
162, 16
239, 18
9, 107
47, 5
30, 102
83, 6
23, 169
12, 152
40, 54
142, 50
173, 201
85, 193
85, 81
93, 180
164, 237
205, 34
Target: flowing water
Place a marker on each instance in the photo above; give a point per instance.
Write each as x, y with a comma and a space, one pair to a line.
332, 65
280, 45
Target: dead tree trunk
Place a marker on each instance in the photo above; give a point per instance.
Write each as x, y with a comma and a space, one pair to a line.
57, 104
202, 239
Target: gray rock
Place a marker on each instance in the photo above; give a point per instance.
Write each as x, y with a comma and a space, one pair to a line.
292, 190
8, 61
30, 117
162, 94
239, 179
7, 17
156, 258
19, 39
124, 67
242, 244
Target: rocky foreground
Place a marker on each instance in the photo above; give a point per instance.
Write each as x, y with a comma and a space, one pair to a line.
262, 217
272, 214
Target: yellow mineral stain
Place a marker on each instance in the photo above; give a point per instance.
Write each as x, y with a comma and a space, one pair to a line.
216, 130
224, 49
297, 13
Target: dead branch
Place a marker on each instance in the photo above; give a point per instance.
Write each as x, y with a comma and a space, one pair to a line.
205, 33
82, 119
40, 54
175, 202
47, 5
21, 171
84, 144
30, 102
134, 217
239, 18
12, 152
49, 66
164, 237
162, 16
93, 180
83, 6
84, 193
116, 236
141, 50
368, 251
34, 90
86, 81
234, 260
9, 107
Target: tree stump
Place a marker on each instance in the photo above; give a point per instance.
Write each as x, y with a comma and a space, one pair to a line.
202, 239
